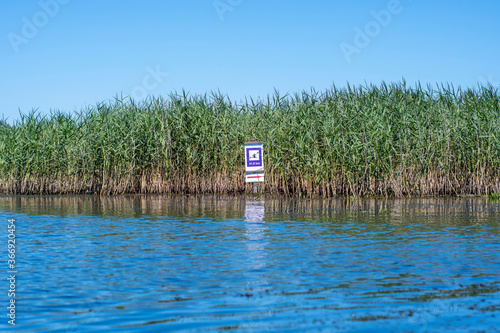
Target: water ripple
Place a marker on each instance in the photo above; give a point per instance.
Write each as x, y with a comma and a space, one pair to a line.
255, 266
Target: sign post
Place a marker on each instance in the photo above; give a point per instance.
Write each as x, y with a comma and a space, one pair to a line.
254, 162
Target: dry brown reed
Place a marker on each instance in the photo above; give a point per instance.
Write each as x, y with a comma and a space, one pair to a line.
390, 141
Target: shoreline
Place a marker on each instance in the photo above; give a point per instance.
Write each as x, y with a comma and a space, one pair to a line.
389, 140
248, 195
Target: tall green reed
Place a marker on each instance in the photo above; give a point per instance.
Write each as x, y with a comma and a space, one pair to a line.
386, 140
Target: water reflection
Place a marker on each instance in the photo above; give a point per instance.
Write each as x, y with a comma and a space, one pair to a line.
255, 234
153, 263
392, 210
256, 242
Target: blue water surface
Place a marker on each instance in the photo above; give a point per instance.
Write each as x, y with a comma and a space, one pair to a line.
209, 264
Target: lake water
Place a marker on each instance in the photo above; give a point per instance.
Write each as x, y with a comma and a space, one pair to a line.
207, 264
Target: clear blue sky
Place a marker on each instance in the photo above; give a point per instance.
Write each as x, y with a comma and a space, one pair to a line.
67, 54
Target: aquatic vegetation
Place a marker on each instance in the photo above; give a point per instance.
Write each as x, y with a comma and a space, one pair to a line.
387, 140
464, 291
493, 197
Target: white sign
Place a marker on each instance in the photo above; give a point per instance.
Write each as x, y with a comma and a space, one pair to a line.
254, 177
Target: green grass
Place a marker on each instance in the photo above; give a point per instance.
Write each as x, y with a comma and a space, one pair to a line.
387, 140
494, 197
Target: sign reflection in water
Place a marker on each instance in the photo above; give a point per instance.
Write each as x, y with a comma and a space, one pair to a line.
255, 234
256, 243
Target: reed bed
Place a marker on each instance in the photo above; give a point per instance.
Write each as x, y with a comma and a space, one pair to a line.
387, 140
